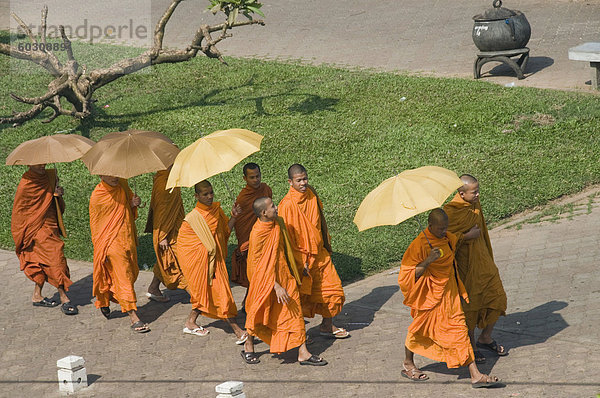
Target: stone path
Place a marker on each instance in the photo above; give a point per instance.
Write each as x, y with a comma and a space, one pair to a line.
549, 270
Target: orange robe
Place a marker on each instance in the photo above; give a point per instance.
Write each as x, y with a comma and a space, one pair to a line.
35, 230
476, 267
112, 223
438, 330
216, 300
164, 220
279, 325
322, 292
243, 226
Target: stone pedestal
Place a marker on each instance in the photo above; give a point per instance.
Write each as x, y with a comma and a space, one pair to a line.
230, 389
72, 376
589, 52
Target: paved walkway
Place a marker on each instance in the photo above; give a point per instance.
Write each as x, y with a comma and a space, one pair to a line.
422, 36
549, 270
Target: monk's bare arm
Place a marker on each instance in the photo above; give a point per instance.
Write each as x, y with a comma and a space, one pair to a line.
422, 266
473, 233
235, 212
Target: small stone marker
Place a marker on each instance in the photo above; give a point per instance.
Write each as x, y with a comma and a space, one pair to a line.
230, 389
71, 374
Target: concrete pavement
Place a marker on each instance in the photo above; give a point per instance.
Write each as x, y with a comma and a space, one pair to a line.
549, 272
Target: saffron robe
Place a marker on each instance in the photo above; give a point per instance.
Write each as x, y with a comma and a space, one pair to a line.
114, 236
164, 220
35, 229
438, 330
243, 226
321, 292
476, 267
279, 325
210, 295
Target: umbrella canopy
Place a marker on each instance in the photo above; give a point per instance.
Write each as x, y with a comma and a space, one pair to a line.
126, 154
58, 148
216, 153
405, 195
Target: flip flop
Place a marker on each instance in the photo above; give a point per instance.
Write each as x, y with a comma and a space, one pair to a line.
250, 357
242, 339
314, 361
158, 299
69, 309
105, 311
339, 333
199, 331
479, 358
488, 384
45, 302
140, 327
494, 347
414, 374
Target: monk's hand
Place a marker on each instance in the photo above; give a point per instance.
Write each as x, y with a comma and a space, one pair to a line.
163, 244
473, 233
236, 210
136, 201
59, 191
433, 255
282, 295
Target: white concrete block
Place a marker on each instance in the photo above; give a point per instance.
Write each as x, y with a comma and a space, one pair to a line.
70, 362
230, 387
239, 394
72, 380
585, 52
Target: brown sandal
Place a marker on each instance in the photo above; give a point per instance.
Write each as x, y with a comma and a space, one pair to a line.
414, 374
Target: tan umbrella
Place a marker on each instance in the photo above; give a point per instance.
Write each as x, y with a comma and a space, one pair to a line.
216, 153
126, 154
57, 148
406, 195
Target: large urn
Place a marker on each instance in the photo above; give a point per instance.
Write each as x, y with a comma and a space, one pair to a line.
500, 29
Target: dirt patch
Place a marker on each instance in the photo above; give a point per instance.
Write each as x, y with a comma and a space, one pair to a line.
541, 119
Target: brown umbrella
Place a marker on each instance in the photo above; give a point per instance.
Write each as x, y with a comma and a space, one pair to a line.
126, 154
58, 148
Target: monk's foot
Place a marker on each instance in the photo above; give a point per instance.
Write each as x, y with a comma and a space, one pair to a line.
242, 339
160, 298
45, 302
485, 381
413, 373
493, 346
335, 332
140, 327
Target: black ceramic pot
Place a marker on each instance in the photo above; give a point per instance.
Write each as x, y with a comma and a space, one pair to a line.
500, 29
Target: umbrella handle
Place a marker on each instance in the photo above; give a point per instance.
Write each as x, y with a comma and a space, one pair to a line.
421, 227
228, 189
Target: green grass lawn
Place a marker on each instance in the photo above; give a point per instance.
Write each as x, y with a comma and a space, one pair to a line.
350, 128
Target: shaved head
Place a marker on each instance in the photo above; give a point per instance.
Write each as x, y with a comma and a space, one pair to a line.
296, 169
437, 217
204, 184
250, 166
260, 205
467, 179
438, 222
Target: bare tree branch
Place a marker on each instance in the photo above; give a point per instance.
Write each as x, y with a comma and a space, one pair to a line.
24, 27
43, 25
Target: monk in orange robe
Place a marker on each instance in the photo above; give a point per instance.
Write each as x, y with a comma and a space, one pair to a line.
321, 290
432, 290
201, 250
113, 210
273, 313
476, 266
36, 228
253, 190
164, 220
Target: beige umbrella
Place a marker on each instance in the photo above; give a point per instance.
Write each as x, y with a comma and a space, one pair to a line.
57, 148
216, 153
403, 196
126, 154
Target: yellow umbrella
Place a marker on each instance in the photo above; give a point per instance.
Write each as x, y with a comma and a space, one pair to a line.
127, 154
57, 148
208, 156
406, 195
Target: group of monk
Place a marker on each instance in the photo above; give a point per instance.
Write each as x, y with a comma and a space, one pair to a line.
452, 285
448, 276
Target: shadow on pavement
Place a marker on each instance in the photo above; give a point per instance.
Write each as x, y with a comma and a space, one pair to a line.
517, 329
356, 315
152, 310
